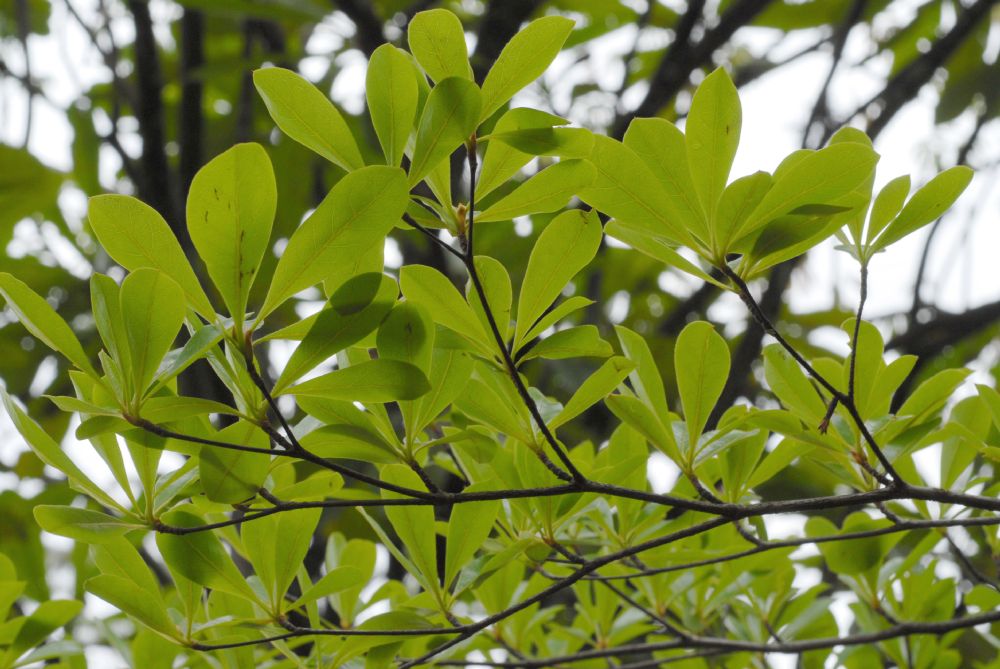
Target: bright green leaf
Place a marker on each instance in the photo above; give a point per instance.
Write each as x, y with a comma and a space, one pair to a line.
356, 215
525, 57
136, 236
712, 134
391, 90
307, 116
549, 190
230, 210
449, 118
437, 40
42, 321
701, 362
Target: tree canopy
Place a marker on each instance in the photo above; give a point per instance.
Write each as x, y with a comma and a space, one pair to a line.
373, 349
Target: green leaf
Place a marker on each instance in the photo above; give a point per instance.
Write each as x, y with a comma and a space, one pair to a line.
431, 289
787, 380
371, 381
356, 215
701, 362
352, 312
712, 134
153, 309
391, 91
87, 525
597, 387
413, 524
126, 596
307, 116
927, 204
230, 210
852, 556
277, 545
499, 294
43, 621
486, 406
886, 206
42, 321
106, 306
450, 372
230, 476
468, 528
549, 190
201, 557
501, 161
449, 118
626, 189
645, 378
350, 442
437, 40
661, 146
567, 244
546, 141
407, 334
136, 236
336, 580
525, 58
197, 347
739, 199
819, 177
635, 413
658, 248
580, 341
49, 452
556, 314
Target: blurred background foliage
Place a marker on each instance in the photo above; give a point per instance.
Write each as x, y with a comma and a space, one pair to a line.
147, 92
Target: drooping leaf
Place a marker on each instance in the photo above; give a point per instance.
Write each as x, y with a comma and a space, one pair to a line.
49, 452
391, 91
42, 321
85, 525
307, 116
230, 210
126, 596
136, 236
355, 216
413, 524
499, 294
